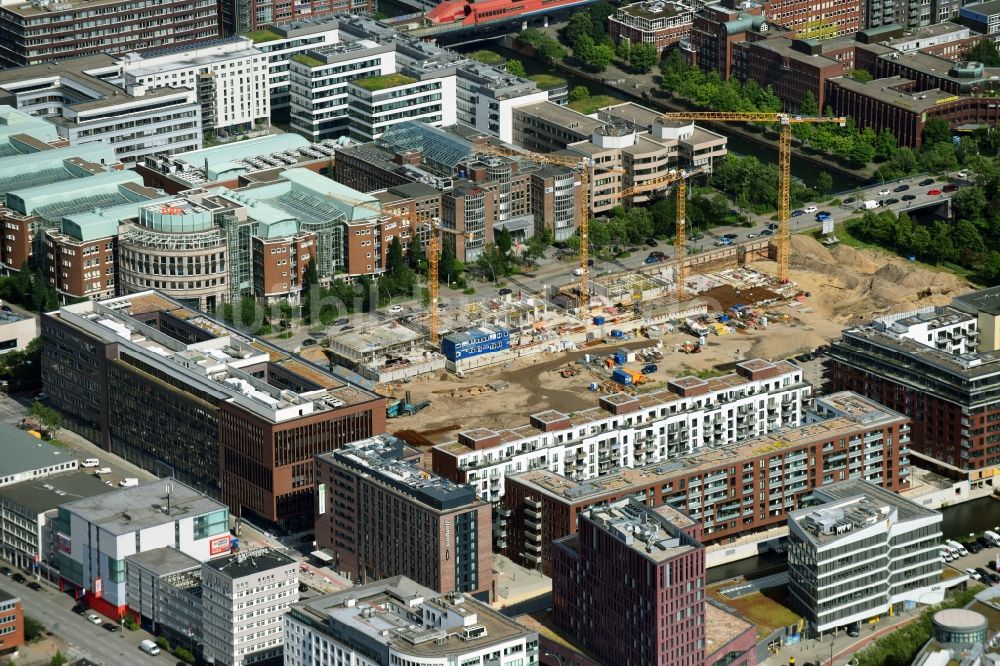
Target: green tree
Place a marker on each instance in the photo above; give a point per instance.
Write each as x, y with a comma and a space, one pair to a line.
936, 130
516, 67
939, 157
504, 241
415, 254
809, 106
57, 659
885, 145
48, 417
551, 50
578, 27
824, 182
985, 51
969, 203
23, 369
33, 629
643, 57
447, 265
862, 75
395, 264
578, 93
583, 48
968, 242
622, 49
599, 13
184, 655
601, 56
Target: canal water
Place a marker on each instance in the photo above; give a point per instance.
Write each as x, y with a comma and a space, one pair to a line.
805, 171
958, 521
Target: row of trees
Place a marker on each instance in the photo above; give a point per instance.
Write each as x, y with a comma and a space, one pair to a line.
548, 48
753, 184
29, 289
587, 34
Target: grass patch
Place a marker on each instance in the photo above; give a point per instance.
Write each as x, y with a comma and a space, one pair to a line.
768, 609
307, 60
948, 573
708, 373
592, 104
261, 36
487, 56
547, 81
376, 83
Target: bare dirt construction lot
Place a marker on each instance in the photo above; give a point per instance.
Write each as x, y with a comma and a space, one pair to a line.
846, 287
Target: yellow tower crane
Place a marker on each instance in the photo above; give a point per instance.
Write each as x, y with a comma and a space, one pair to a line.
785, 121
586, 168
680, 252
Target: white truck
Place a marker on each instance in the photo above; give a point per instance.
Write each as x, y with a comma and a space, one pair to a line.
149, 647
128, 482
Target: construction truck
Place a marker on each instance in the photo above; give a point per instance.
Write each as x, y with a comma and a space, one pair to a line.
395, 408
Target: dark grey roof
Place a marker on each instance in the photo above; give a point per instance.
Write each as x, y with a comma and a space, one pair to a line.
249, 563
415, 190
47, 493
163, 561
984, 300
21, 452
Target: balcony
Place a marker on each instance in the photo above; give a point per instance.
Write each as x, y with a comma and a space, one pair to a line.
532, 525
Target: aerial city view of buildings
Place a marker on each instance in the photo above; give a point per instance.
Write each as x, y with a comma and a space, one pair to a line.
477, 333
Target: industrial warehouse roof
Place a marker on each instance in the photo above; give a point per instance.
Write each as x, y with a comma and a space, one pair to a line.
53, 201
340, 196
53, 166
435, 145
21, 452
45, 494
144, 506
224, 158
13, 121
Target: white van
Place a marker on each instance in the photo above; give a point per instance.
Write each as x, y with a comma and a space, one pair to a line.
128, 482
946, 554
870, 204
149, 647
992, 536
90, 462
957, 547
102, 470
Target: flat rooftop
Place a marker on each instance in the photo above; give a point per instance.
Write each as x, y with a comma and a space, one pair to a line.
721, 628
22, 452
383, 613
140, 507
987, 8
380, 458
943, 316
888, 91
248, 563
50, 492
164, 561
647, 531
375, 339
860, 412
984, 300
656, 9
561, 116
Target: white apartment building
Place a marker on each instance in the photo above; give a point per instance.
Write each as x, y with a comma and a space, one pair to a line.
631, 431
863, 551
319, 84
943, 328
244, 601
96, 534
86, 101
396, 622
377, 103
231, 77
164, 588
281, 42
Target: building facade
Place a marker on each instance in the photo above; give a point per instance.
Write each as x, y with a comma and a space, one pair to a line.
261, 584
11, 623
417, 626
843, 436
32, 33
908, 362
860, 553
96, 534
630, 586
381, 516
233, 416
662, 24
16, 331
631, 431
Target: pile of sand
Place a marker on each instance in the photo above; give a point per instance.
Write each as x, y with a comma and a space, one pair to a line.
850, 258
781, 342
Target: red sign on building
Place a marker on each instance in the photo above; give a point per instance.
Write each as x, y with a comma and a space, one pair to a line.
98, 588
219, 545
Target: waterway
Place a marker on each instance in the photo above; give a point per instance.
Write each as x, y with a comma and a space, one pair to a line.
959, 520
738, 145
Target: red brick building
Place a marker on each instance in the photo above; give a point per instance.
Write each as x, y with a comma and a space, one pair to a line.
662, 24
380, 516
11, 623
790, 67
846, 434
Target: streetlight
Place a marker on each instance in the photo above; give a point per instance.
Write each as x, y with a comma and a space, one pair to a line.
558, 657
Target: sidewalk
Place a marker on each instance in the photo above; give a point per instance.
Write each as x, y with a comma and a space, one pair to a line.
817, 652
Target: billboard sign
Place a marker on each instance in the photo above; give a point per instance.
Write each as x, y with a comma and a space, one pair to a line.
219, 545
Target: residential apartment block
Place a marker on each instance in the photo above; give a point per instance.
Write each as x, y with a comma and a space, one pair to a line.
842, 436
42, 31
266, 16
87, 102
692, 414
861, 553
415, 625
382, 516
983, 17
937, 366
631, 588
96, 534
175, 391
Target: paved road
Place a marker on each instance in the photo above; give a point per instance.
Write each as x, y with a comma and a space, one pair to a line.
54, 609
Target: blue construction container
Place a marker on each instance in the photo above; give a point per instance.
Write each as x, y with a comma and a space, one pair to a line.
475, 341
621, 377
620, 358
615, 333
598, 321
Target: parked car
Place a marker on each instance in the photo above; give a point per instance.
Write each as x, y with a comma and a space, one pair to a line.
18, 578
901, 188
849, 200
993, 537
854, 629
697, 237
111, 626
723, 242
767, 232
984, 575
798, 212
651, 242
341, 322
731, 236
891, 202
950, 187
972, 547
149, 647
822, 217
973, 574
94, 618
909, 197
963, 174
80, 608
772, 226
5, 571
308, 342
810, 209
926, 181
395, 309
752, 235
934, 193
35, 586
506, 291
984, 542
947, 555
